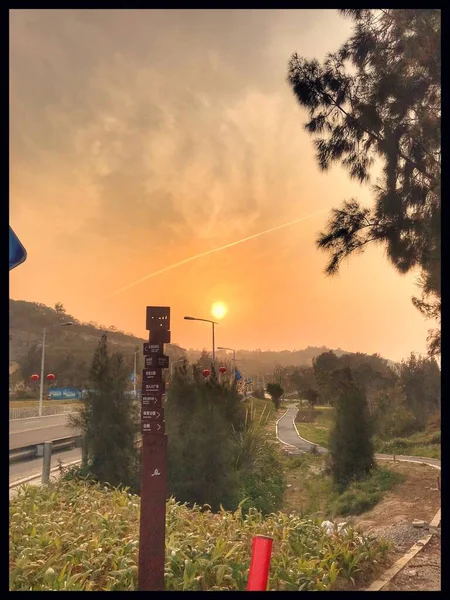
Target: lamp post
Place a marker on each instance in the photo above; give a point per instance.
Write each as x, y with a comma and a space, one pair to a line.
213, 323
134, 375
44, 331
234, 355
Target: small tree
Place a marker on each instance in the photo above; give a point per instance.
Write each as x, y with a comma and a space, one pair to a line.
203, 417
108, 420
312, 396
351, 446
275, 391
60, 311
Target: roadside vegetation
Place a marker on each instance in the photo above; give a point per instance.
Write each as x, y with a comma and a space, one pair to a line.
425, 443
220, 452
311, 491
75, 535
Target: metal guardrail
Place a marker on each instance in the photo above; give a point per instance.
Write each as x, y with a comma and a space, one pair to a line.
33, 411
37, 450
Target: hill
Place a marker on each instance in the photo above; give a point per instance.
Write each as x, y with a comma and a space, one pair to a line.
69, 349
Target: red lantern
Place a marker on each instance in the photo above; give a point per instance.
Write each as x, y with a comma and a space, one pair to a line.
206, 372
50, 377
34, 377
223, 370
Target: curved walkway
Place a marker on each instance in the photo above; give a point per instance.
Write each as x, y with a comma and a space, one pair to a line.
288, 435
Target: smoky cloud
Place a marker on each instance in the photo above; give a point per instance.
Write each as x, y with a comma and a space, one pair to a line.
174, 122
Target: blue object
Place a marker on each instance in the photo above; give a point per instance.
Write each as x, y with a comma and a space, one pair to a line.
132, 377
237, 375
17, 253
64, 393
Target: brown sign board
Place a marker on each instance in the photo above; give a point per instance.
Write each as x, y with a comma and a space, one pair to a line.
153, 427
152, 414
150, 387
153, 400
153, 348
152, 375
157, 361
160, 336
158, 318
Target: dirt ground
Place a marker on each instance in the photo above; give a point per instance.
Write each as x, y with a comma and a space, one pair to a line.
418, 498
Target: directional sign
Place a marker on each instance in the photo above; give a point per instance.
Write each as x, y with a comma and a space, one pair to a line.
155, 414
158, 361
153, 427
153, 400
152, 375
152, 387
153, 348
17, 253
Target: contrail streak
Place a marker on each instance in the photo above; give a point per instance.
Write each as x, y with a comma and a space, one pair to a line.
208, 252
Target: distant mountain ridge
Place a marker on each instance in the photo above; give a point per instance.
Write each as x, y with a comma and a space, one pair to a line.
69, 349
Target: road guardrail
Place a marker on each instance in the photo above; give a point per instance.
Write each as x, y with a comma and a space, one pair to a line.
33, 411
37, 450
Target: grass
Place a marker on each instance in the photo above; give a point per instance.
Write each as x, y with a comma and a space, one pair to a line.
75, 536
263, 410
318, 431
312, 492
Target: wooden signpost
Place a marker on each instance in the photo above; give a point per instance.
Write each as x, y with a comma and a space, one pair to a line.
154, 453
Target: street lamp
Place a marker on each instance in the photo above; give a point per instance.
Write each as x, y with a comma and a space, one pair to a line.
234, 357
134, 379
44, 331
213, 323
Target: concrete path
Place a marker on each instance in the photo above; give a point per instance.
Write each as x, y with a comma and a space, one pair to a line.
287, 434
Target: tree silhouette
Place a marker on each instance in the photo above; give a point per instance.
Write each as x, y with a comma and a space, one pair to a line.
378, 98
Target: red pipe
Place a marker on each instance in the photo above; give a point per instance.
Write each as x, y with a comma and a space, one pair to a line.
259, 564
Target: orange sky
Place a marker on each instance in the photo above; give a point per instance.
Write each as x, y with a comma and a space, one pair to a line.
141, 138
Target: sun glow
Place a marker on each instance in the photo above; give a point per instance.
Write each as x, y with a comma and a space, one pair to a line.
219, 310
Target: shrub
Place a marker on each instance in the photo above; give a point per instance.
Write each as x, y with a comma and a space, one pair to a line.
366, 493
351, 446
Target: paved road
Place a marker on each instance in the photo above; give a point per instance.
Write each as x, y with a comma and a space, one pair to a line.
287, 434
24, 432
26, 468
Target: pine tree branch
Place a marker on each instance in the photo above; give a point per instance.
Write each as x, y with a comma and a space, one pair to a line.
375, 136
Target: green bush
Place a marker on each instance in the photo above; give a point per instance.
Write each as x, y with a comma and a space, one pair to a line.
365, 494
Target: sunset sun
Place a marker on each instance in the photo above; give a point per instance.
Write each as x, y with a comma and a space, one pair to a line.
219, 310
